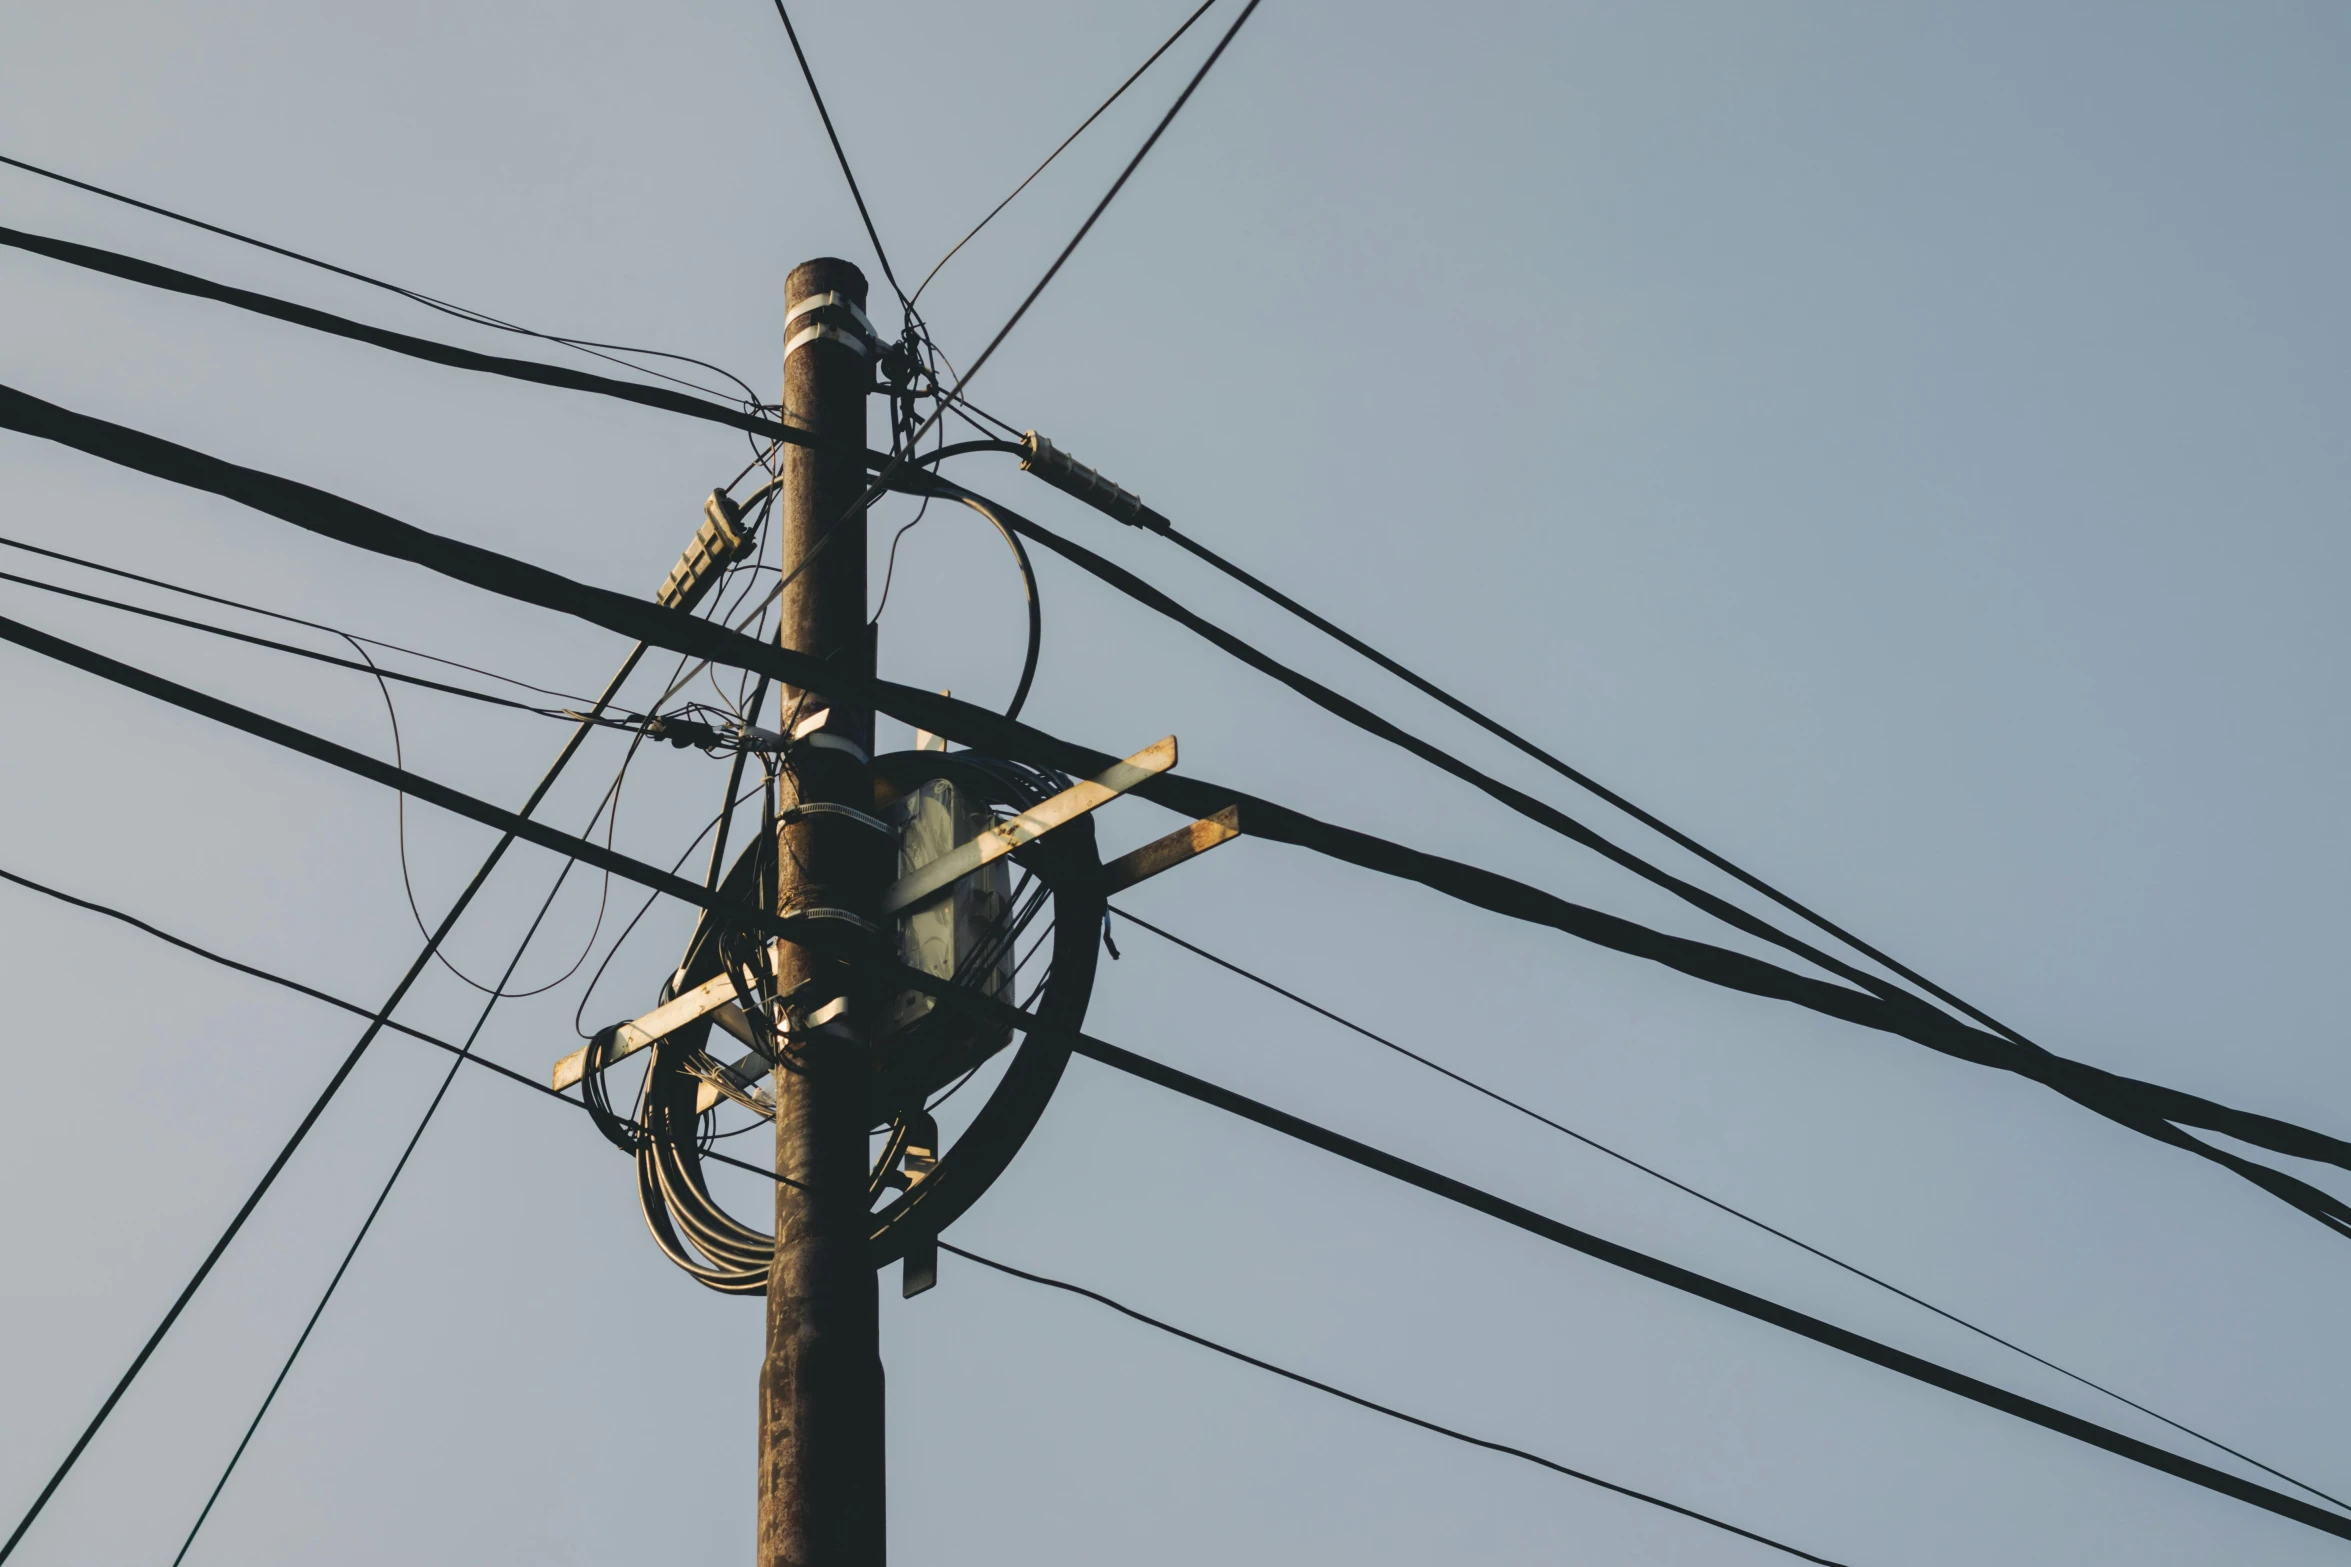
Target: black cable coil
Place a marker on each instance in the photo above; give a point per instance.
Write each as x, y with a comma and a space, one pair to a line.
914, 1066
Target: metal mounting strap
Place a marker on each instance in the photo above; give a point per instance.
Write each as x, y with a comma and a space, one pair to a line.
834, 300
809, 334
822, 912
828, 808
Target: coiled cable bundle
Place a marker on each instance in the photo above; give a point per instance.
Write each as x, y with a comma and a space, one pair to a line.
916, 1187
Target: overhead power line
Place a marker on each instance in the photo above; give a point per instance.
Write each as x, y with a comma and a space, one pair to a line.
893, 470
1103, 108
262, 727
357, 666
2138, 1106
1108, 196
604, 351
2142, 1107
839, 153
1594, 787
1460, 1192
153, 275
328, 998
1657, 1270
1741, 1215
377, 1021
367, 1224
1357, 1399
463, 1055
85, 563
1247, 1109
1582, 780
2146, 1107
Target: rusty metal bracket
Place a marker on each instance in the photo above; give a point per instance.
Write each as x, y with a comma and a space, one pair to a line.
1161, 854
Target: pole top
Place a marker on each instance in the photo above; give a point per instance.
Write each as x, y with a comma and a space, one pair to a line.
825, 275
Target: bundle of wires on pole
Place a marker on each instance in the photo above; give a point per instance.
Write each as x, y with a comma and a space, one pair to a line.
1024, 932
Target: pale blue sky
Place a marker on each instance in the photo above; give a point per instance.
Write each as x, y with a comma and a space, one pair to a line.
1901, 445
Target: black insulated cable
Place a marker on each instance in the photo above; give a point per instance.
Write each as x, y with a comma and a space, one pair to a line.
1110, 195
85, 563
367, 1224
891, 471
464, 1054
1412, 1174
131, 269
604, 351
1588, 784
360, 665
432, 792
377, 1021
2139, 1106
324, 998
2143, 1106
1655, 1269
1083, 126
839, 153
1717, 1203
1357, 1399
1056, 469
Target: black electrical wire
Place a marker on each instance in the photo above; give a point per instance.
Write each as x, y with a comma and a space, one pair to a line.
834, 137
327, 998
1371, 723
1110, 195
891, 473
377, 1021
2145, 1107
1083, 126
364, 665
610, 802
464, 1055
1029, 594
2124, 1101
131, 269
1655, 1269
1427, 1180
735, 801
432, 1107
460, 312
1588, 783
1717, 1203
185, 591
1376, 1408
453, 800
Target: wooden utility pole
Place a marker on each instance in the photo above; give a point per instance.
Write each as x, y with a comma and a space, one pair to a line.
820, 1388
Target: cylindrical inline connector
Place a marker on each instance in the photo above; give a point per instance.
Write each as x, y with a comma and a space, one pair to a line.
1057, 468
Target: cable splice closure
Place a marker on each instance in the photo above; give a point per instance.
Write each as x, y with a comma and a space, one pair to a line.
1066, 474
721, 538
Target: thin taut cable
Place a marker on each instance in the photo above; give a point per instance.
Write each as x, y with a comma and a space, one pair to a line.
462, 312
310, 1118
834, 137
1108, 196
953, 394
1392, 1413
302, 1340
1083, 126
1593, 786
1715, 1202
